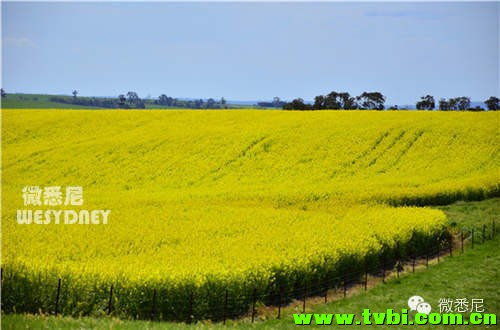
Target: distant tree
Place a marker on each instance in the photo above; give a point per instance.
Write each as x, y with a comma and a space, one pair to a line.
319, 102
348, 102
165, 100
275, 103
477, 108
335, 100
210, 103
332, 101
3, 92
122, 101
493, 103
75, 92
444, 105
426, 103
452, 103
463, 103
197, 104
371, 100
162, 99
132, 97
393, 107
297, 104
134, 100
222, 101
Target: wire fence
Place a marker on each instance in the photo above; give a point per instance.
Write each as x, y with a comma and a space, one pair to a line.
62, 297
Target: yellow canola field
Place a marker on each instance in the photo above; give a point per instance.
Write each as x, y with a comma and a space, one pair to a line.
231, 198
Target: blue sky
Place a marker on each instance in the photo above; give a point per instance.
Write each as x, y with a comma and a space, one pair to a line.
252, 51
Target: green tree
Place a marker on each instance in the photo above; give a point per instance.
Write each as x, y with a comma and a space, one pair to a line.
297, 104
426, 103
132, 97
452, 102
332, 101
371, 100
493, 103
319, 102
210, 103
463, 103
122, 101
348, 102
444, 105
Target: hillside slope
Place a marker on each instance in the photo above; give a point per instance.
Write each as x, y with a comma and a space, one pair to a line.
208, 201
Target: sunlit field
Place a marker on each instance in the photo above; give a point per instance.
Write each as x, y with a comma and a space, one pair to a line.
204, 201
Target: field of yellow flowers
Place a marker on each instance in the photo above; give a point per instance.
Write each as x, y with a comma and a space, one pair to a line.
207, 201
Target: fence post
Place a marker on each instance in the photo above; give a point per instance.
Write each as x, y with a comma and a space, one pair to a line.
305, 295
110, 302
451, 245
484, 232
345, 285
253, 304
438, 251
398, 258
191, 302
326, 290
366, 278
279, 303
153, 308
472, 238
225, 309
427, 257
58, 295
462, 241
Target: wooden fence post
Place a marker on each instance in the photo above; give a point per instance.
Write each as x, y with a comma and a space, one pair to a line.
366, 278
462, 241
279, 303
438, 251
253, 304
153, 308
427, 257
225, 309
305, 295
110, 302
472, 238
58, 295
191, 303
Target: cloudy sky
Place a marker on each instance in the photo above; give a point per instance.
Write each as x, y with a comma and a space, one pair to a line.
252, 51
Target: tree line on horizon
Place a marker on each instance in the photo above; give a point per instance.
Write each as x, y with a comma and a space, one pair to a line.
331, 101
376, 101
131, 100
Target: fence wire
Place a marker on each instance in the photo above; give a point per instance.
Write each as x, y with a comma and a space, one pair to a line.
62, 297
